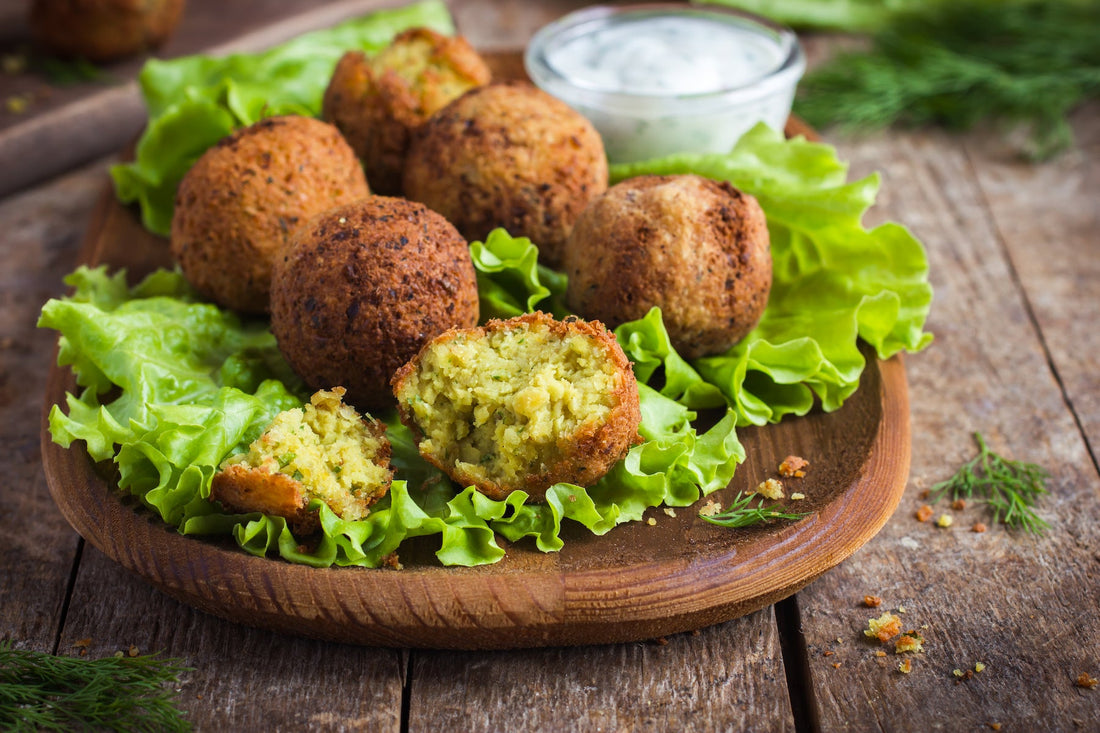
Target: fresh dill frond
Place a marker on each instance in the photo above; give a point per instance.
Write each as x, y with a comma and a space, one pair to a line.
1010, 488
1018, 62
741, 513
44, 692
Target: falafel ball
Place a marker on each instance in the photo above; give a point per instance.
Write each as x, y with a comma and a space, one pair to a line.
377, 103
521, 404
697, 248
508, 155
103, 30
362, 287
324, 450
238, 206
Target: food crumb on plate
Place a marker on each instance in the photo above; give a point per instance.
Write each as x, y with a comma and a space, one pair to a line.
1087, 681
978, 527
797, 496
945, 521
710, 509
669, 511
883, 628
770, 488
924, 513
905, 666
793, 467
872, 601
651, 522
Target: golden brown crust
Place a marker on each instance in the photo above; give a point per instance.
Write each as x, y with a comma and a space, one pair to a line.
103, 30
242, 489
242, 201
377, 109
508, 155
699, 249
585, 456
362, 287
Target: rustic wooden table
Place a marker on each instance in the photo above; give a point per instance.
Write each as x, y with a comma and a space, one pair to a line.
1015, 261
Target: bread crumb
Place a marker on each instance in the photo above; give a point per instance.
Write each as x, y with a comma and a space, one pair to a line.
910, 641
901, 609
978, 527
958, 505
771, 488
651, 522
710, 509
945, 521
836, 665
883, 628
905, 666
979, 667
669, 511
880, 653
1087, 681
872, 601
793, 467
797, 496
924, 513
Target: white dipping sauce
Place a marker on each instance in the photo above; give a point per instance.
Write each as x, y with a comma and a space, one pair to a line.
677, 80
666, 55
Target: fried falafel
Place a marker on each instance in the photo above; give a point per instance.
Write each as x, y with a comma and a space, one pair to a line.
523, 403
697, 248
508, 155
377, 102
362, 287
244, 198
102, 30
324, 450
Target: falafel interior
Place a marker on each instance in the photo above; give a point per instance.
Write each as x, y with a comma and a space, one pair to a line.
324, 450
502, 405
437, 68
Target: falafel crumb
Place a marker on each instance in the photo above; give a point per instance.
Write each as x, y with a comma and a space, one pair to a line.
978, 527
669, 511
910, 641
1087, 681
793, 467
883, 628
797, 496
872, 601
979, 667
924, 513
710, 509
945, 521
770, 488
958, 505
905, 666
651, 522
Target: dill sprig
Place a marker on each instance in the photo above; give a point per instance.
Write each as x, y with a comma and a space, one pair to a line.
44, 692
954, 63
741, 513
1010, 488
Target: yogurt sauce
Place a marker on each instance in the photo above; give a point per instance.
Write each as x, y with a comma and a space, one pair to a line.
659, 82
665, 55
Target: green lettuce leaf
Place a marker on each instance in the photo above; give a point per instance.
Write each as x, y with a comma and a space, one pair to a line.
193, 384
195, 101
834, 281
510, 282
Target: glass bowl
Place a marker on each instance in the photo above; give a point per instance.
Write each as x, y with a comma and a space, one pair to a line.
663, 78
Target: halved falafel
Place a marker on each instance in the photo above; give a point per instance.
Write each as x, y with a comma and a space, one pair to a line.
697, 248
324, 450
362, 287
377, 102
508, 155
523, 403
240, 203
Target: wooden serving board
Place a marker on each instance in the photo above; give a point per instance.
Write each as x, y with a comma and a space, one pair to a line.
638, 581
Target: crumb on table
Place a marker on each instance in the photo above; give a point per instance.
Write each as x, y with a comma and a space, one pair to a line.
771, 488
924, 513
872, 601
710, 509
1087, 681
883, 628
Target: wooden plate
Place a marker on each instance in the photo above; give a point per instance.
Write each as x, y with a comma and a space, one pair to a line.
638, 581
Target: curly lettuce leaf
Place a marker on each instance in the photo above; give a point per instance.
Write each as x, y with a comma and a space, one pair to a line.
834, 281
195, 101
195, 384
510, 282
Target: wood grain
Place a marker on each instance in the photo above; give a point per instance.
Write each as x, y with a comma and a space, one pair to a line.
1002, 364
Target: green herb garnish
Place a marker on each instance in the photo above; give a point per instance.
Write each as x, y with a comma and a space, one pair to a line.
40, 691
1020, 62
742, 514
1011, 488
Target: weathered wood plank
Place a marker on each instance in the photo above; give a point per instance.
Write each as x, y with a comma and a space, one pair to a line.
726, 677
243, 679
40, 232
1027, 608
